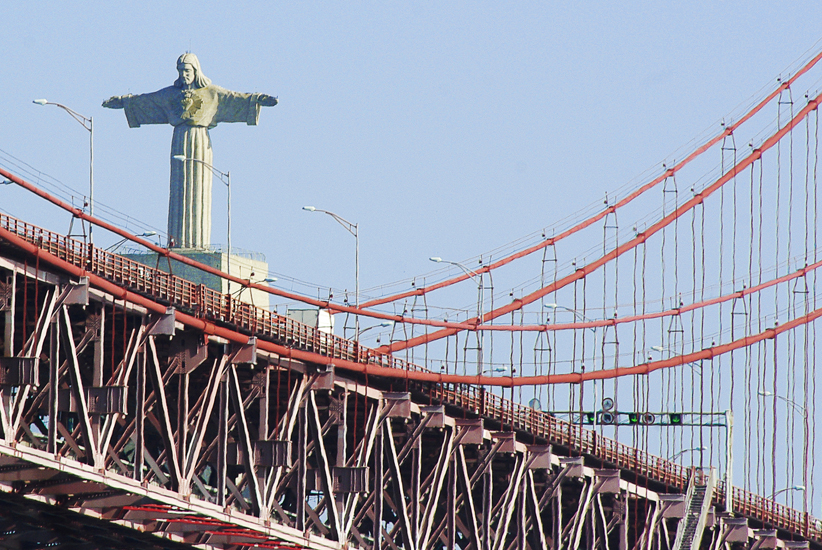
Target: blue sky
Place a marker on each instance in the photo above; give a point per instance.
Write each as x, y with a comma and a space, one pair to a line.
443, 128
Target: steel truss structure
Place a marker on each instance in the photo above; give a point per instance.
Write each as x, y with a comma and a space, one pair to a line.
119, 414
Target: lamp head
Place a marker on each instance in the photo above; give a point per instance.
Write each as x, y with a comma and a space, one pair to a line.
309, 208
551, 306
147, 234
41, 101
181, 158
435, 259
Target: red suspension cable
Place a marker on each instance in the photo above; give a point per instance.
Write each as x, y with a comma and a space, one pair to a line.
618, 251
727, 131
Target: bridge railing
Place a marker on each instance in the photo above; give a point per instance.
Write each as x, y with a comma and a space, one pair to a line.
561, 432
586, 441
198, 299
202, 301
771, 512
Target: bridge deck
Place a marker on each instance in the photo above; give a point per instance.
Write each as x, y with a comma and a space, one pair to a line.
250, 503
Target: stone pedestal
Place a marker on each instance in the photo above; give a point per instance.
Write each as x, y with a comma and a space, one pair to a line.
244, 266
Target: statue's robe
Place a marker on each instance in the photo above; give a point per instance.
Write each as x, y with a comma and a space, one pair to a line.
192, 112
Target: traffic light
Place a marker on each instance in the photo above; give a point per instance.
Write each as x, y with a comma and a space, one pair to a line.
633, 418
675, 419
588, 418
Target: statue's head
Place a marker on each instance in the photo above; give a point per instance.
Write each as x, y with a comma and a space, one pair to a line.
188, 67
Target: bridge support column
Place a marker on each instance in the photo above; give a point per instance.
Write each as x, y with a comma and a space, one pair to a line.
416, 466
54, 386
222, 442
342, 434
97, 366
379, 473
451, 504
302, 443
8, 302
140, 415
623, 524
487, 496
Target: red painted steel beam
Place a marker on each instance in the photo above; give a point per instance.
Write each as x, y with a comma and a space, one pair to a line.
388, 372
622, 249
727, 131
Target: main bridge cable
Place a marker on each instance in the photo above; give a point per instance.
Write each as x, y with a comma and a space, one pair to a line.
641, 237
371, 369
79, 213
726, 132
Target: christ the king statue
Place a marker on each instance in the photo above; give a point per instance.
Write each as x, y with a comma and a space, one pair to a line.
192, 105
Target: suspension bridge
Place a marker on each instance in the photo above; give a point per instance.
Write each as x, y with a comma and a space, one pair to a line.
641, 374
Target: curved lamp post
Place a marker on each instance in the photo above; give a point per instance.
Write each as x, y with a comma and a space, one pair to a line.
496, 369
267, 280
477, 278
88, 124
121, 241
796, 406
683, 451
470, 272
579, 315
576, 313
384, 324
352, 228
786, 489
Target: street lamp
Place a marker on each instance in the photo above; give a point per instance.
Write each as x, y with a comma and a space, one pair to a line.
251, 280
791, 488
225, 177
471, 273
121, 241
267, 280
477, 278
796, 406
352, 228
88, 124
682, 452
381, 325
496, 369
576, 313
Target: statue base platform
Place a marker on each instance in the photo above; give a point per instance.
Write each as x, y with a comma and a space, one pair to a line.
245, 266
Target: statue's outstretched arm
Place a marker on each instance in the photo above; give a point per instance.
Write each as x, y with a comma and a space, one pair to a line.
267, 101
114, 102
